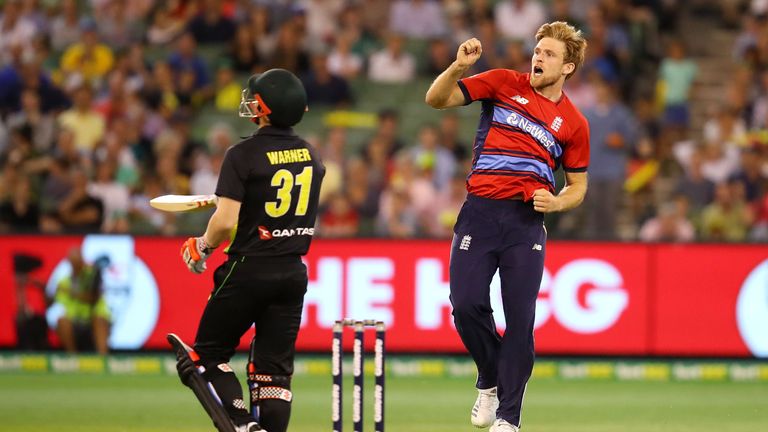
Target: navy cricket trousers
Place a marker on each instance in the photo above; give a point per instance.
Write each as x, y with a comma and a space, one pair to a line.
507, 235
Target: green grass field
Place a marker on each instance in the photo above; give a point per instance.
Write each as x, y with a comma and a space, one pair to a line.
85, 403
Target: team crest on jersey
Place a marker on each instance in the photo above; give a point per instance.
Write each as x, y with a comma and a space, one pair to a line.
556, 123
519, 99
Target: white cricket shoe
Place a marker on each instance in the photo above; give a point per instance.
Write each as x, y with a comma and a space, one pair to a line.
501, 425
250, 427
484, 410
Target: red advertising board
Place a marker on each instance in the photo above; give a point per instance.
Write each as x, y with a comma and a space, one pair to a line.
595, 299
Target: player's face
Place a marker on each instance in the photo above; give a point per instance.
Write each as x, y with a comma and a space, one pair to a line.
547, 66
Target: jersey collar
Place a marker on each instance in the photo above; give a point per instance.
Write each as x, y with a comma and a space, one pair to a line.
273, 130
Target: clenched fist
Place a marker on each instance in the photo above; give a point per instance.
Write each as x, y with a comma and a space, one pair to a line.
469, 52
545, 202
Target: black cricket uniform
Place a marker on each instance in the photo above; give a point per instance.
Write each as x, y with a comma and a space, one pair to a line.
276, 176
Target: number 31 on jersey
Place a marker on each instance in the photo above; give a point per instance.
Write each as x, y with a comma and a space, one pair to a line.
284, 180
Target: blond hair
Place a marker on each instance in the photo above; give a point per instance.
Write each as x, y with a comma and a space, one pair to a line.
575, 44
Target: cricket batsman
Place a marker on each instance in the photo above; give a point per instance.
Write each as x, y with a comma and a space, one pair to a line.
267, 192
528, 128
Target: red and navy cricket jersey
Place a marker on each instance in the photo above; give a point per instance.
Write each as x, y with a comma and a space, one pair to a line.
522, 137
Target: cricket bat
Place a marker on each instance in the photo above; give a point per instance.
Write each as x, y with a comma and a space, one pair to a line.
183, 203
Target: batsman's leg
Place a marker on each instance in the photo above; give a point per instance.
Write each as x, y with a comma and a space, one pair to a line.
191, 376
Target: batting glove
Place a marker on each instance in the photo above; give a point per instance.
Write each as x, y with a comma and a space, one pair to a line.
194, 252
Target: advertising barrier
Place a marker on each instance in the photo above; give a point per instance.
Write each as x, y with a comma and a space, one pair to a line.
595, 298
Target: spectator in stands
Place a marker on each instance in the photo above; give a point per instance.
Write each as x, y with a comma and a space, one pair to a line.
79, 212
206, 173
450, 139
440, 55
228, 90
759, 232
325, 88
396, 218
20, 212
332, 151
446, 207
87, 125
15, 31
339, 219
388, 130
185, 59
65, 26
42, 124
56, 186
750, 174
145, 219
613, 135
609, 48
164, 27
117, 27
677, 74
670, 223
392, 64
341, 60
514, 56
89, 60
519, 19
364, 196
458, 26
430, 153
244, 56
699, 190
114, 196
488, 35
209, 26
727, 218
289, 52
417, 19
321, 16
363, 38
219, 138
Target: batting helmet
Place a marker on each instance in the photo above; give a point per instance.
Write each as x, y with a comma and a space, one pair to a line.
277, 94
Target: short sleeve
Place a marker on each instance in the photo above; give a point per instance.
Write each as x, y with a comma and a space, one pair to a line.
576, 152
483, 85
232, 176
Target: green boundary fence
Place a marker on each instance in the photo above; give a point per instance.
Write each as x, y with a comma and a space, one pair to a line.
406, 366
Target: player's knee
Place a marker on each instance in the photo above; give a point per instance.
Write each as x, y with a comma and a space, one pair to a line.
469, 308
270, 387
272, 396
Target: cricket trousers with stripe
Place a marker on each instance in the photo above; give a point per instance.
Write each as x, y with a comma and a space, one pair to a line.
508, 236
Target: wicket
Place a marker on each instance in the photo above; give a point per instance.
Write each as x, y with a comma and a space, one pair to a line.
358, 374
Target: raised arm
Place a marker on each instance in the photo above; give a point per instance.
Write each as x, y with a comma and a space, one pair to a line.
444, 91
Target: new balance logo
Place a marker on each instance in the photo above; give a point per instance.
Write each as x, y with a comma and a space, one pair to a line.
464, 245
519, 99
536, 246
556, 123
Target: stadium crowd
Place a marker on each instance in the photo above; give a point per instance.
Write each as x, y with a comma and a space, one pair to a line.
98, 99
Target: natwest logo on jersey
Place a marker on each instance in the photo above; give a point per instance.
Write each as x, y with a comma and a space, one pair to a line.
585, 304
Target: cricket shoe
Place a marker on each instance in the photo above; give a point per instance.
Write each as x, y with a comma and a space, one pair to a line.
484, 410
250, 427
501, 425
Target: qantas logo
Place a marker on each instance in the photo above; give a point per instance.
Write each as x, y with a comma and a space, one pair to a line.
266, 234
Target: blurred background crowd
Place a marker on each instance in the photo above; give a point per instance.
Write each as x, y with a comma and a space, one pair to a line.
105, 104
